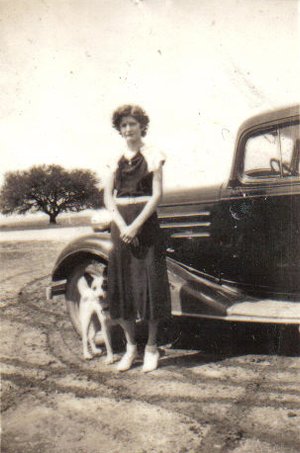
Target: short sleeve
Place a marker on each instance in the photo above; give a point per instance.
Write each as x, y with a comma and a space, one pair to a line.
109, 166
154, 158
112, 164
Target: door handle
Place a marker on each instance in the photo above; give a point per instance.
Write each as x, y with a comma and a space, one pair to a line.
170, 250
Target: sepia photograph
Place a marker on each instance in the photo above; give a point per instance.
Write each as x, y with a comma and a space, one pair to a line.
150, 226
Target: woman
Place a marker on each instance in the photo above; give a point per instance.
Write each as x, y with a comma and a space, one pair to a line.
137, 277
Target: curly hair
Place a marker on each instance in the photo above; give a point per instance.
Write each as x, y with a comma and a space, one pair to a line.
131, 110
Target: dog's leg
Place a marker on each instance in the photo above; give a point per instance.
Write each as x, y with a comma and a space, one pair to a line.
105, 329
91, 338
85, 318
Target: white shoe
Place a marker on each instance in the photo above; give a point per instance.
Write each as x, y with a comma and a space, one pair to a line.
151, 358
128, 358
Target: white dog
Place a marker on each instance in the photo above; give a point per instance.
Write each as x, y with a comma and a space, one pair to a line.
92, 300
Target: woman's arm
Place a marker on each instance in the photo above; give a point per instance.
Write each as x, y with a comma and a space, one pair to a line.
132, 230
110, 202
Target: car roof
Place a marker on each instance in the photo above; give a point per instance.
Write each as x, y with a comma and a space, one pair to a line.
271, 116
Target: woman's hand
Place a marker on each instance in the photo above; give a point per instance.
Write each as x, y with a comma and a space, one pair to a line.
128, 234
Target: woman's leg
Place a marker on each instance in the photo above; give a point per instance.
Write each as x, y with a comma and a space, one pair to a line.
151, 356
129, 330
152, 333
131, 348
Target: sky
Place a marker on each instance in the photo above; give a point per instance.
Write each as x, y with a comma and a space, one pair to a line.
198, 67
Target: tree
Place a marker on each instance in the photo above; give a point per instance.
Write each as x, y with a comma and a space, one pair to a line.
50, 189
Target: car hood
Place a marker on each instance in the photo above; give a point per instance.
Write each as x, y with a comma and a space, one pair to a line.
189, 195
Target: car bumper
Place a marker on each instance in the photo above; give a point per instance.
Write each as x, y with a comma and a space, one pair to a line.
56, 289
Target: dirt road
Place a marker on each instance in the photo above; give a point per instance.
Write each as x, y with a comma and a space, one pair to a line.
219, 388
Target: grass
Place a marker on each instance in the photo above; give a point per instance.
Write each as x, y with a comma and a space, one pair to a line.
38, 222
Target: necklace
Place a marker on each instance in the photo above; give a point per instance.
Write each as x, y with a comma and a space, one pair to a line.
129, 161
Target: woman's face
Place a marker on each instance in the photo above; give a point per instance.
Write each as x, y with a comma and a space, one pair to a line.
130, 129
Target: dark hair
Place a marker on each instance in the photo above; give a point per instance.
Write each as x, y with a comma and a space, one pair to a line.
131, 110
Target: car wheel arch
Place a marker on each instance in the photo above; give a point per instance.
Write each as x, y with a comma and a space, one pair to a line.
66, 265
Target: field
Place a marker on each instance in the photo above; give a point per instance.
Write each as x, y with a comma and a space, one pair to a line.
220, 388
41, 221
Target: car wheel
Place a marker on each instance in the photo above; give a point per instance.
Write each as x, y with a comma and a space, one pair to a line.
87, 269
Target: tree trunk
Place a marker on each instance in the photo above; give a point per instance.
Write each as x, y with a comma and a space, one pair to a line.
52, 220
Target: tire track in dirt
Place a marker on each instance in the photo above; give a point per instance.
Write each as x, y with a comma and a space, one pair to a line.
222, 438
224, 434
221, 434
213, 442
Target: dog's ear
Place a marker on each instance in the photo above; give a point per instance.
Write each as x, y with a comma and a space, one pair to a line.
82, 286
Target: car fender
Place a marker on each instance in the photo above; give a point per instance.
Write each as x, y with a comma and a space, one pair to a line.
201, 296
95, 245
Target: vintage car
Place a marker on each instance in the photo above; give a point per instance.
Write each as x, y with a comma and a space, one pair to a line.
233, 250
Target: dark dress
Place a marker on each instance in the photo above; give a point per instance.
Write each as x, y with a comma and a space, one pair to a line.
138, 285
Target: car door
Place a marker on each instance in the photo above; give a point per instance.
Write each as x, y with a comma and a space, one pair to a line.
261, 212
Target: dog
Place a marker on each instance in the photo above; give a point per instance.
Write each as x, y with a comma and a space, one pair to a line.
93, 301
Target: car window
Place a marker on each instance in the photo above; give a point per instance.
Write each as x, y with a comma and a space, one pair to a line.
289, 140
274, 153
262, 154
